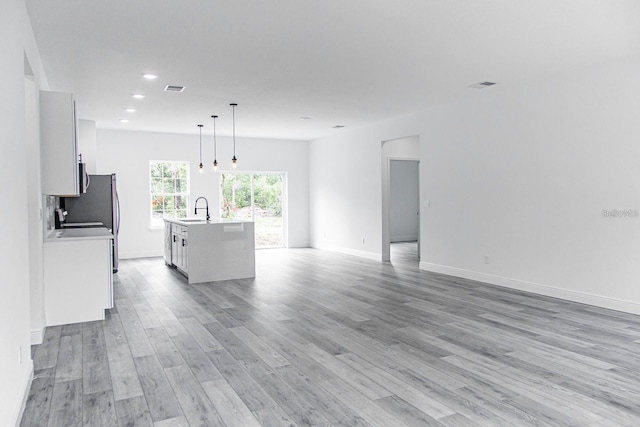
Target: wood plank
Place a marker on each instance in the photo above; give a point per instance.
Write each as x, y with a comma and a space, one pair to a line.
165, 349
38, 405
231, 408
160, 397
133, 412
268, 355
137, 339
200, 334
66, 404
197, 407
124, 377
98, 409
46, 354
95, 368
195, 358
69, 366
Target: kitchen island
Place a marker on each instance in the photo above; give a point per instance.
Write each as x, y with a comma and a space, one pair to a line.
210, 251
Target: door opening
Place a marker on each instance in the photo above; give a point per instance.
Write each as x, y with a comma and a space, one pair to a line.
257, 197
401, 198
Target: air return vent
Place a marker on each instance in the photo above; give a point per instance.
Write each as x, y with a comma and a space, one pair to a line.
338, 126
173, 88
482, 85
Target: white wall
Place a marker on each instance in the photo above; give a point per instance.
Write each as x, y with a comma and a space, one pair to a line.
519, 172
34, 211
16, 367
87, 144
128, 154
404, 204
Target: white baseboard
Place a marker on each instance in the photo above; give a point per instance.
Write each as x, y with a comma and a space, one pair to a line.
299, 244
537, 288
347, 251
400, 239
23, 395
140, 254
37, 336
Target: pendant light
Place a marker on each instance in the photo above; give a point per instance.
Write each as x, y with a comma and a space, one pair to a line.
234, 161
201, 167
215, 153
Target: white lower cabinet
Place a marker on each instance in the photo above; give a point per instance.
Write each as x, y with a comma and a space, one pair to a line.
78, 280
180, 248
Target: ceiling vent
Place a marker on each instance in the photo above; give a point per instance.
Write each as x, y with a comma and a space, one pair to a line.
338, 126
173, 88
482, 85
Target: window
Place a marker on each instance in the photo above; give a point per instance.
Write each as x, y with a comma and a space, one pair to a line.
169, 188
258, 198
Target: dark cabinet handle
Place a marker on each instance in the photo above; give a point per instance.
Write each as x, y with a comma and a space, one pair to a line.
184, 242
174, 238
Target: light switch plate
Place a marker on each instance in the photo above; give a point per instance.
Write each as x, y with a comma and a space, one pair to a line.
427, 203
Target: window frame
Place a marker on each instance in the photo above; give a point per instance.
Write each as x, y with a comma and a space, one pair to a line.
153, 223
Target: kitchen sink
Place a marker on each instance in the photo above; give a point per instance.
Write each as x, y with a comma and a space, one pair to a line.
191, 220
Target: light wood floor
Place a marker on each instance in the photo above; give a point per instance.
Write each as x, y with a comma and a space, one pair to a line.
404, 254
327, 339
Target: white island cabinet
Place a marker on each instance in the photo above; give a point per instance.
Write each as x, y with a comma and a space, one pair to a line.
210, 251
78, 275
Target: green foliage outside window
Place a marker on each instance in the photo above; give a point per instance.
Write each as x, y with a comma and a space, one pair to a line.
258, 198
169, 189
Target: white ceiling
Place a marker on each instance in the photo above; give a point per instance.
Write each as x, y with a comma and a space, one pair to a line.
346, 62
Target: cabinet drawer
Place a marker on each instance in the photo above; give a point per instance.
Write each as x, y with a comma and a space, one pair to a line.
179, 229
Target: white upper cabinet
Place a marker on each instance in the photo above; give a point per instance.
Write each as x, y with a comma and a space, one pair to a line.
59, 144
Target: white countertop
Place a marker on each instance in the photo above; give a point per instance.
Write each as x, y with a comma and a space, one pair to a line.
97, 233
199, 221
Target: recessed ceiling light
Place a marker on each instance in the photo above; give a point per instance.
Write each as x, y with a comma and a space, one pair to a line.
305, 118
173, 88
150, 76
482, 85
124, 120
137, 95
130, 110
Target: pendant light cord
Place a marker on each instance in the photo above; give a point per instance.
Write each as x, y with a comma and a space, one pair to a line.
233, 106
215, 151
200, 127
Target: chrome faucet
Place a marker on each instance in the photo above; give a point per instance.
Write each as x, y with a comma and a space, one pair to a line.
195, 211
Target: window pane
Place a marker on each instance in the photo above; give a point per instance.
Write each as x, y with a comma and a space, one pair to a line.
181, 171
181, 185
168, 170
268, 202
236, 196
267, 209
157, 203
156, 185
180, 202
169, 186
155, 169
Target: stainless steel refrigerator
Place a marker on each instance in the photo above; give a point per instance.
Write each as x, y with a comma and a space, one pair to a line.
99, 203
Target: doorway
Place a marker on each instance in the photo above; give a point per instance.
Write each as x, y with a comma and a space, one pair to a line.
257, 197
401, 199
404, 211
